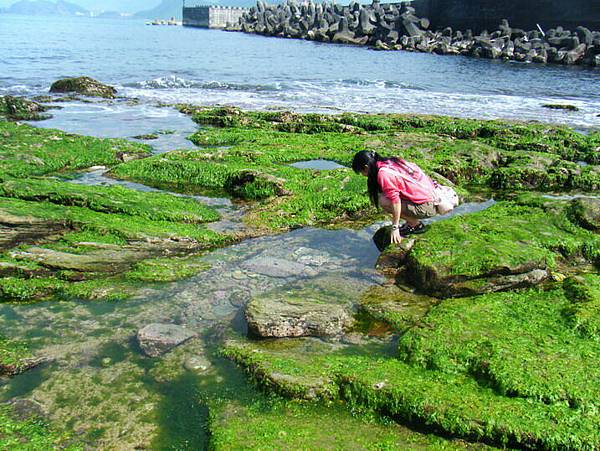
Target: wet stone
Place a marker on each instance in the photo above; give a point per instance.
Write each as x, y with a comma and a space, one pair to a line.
199, 364
279, 315
157, 339
274, 267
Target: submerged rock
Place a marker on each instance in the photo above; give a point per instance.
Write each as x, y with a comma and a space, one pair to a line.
297, 315
84, 85
21, 109
157, 339
273, 267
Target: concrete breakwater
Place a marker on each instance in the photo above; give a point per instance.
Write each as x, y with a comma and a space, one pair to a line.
398, 27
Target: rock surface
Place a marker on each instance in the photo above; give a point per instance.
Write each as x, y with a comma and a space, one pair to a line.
157, 339
21, 109
84, 85
586, 211
297, 315
397, 27
25, 229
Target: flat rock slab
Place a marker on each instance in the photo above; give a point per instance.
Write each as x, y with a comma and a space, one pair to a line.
103, 260
273, 267
23, 229
157, 339
279, 315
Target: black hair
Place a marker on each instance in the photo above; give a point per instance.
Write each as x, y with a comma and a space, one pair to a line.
370, 159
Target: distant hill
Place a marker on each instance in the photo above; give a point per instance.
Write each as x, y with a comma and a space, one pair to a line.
45, 8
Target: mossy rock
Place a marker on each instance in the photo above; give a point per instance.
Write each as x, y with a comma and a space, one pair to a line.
20, 109
454, 404
506, 246
518, 343
560, 106
586, 212
396, 307
297, 314
15, 357
84, 85
254, 185
583, 312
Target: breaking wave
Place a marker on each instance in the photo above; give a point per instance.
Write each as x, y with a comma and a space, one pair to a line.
175, 82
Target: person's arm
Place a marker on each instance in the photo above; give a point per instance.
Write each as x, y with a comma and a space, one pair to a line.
389, 186
396, 209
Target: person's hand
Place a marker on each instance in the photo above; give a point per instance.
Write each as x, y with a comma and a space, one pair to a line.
396, 237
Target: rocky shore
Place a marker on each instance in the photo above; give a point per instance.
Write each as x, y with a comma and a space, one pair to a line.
396, 27
484, 330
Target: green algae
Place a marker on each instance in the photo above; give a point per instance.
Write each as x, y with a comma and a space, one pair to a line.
28, 151
583, 312
114, 199
468, 152
31, 434
117, 224
14, 356
395, 307
504, 239
518, 343
166, 269
448, 403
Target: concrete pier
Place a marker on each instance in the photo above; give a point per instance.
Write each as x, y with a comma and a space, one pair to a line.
211, 16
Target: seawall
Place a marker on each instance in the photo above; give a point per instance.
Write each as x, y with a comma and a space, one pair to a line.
479, 15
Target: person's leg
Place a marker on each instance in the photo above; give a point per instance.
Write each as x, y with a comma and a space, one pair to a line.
386, 204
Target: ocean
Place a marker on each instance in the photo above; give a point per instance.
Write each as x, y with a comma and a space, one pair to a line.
169, 64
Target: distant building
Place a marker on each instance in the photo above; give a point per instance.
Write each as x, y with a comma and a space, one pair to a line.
211, 16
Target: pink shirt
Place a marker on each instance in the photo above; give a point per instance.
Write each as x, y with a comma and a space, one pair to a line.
407, 181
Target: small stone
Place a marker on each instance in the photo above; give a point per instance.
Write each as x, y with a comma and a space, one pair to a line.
157, 339
198, 364
238, 275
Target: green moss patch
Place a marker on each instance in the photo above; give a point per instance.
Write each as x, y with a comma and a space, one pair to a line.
166, 269
14, 356
583, 312
27, 151
517, 342
278, 424
31, 434
481, 252
114, 199
454, 404
101, 245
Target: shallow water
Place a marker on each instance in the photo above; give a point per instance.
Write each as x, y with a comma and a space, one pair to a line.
317, 165
120, 119
92, 343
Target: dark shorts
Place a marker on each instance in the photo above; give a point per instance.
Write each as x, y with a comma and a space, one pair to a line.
418, 211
